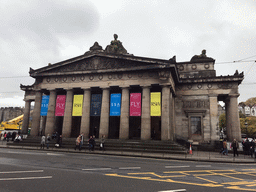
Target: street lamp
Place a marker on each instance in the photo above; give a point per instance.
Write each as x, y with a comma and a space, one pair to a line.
246, 125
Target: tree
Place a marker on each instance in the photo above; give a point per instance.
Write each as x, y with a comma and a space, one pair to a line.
250, 128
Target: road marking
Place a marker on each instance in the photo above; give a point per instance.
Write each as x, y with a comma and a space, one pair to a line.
203, 165
54, 154
97, 169
34, 171
177, 190
176, 166
129, 167
24, 178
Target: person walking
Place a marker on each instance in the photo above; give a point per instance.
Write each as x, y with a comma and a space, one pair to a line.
42, 142
90, 143
48, 139
235, 146
102, 143
82, 141
225, 149
78, 140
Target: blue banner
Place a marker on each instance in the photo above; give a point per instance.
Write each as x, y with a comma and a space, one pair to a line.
95, 105
44, 105
115, 104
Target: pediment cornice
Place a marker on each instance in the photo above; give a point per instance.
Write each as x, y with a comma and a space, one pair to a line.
100, 63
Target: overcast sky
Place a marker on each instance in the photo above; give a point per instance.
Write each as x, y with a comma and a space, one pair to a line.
35, 32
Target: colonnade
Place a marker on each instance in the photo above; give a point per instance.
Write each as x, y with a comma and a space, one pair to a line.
167, 113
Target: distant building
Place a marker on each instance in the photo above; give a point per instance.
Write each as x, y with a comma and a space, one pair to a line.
8, 113
247, 110
110, 92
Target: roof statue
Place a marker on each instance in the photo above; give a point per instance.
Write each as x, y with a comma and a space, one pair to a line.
116, 46
201, 57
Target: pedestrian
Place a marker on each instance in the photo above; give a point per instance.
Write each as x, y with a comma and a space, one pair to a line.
78, 139
13, 135
252, 147
48, 139
93, 142
235, 146
247, 147
8, 136
82, 141
90, 143
102, 143
225, 149
42, 142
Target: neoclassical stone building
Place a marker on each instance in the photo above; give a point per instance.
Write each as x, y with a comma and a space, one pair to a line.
113, 93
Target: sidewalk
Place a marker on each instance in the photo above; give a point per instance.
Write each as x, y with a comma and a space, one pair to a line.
195, 156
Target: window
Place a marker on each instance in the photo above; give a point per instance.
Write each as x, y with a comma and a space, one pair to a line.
195, 125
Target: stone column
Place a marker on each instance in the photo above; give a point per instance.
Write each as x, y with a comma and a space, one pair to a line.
50, 121
124, 119
172, 117
25, 122
67, 120
85, 122
165, 118
214, 117
104, 118
36, 115
232, 118
145, 115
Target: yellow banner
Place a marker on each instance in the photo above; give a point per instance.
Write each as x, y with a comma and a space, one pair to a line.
77, 105
155, 104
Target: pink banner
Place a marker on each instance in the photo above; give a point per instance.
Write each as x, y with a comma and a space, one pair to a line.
60, 105
135, 104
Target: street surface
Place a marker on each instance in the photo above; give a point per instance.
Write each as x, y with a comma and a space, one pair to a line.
31, 170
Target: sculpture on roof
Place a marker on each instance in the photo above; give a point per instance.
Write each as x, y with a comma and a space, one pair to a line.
201, 57
116, 46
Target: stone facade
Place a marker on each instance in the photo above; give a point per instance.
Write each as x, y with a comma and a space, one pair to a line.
8, 113
189, 91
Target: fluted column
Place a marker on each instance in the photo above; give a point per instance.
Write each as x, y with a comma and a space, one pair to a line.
50, 121
124, 121
214, 116
25, 122
36, 115
85, 122
232, 118
67, 120
145, 115
104, 118
165, 118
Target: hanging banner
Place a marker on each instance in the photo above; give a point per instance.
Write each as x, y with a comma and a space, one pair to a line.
60, 105
115, 104
135, 104
44, 105
95, 105
155, 103
77, 105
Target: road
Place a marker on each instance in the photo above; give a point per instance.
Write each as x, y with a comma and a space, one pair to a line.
30, 171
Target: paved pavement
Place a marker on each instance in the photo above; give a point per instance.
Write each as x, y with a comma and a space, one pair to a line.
195, 156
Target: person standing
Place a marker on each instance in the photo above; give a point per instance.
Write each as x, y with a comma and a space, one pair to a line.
42, 142
90, 143
235, 146
252, 147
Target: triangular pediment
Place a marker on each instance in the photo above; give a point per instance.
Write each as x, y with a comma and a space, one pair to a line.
100, 64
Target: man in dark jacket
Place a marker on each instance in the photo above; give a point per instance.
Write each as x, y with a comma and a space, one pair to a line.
235, 146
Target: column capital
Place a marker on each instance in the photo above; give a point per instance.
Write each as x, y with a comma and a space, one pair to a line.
125, 87
213, 95
146, 86
234, 95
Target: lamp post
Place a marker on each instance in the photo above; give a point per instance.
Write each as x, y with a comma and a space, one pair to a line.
246, 125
